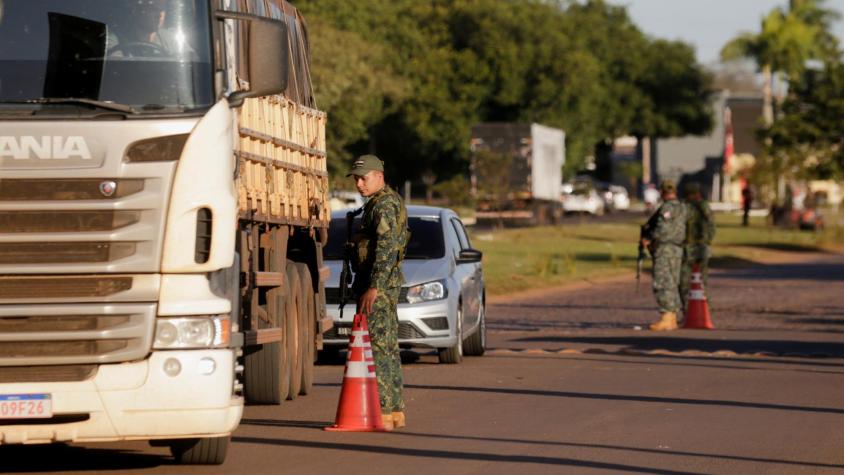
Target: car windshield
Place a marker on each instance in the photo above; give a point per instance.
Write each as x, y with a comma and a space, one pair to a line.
151, 55
426, 239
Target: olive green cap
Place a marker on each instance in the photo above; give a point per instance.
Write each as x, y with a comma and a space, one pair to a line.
365, 164
692, 188
667, 185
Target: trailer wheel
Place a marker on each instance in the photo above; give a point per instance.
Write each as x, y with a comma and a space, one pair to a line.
267, 367
207, 451
295, 339
308, 326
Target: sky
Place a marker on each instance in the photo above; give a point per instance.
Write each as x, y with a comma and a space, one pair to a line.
707, 24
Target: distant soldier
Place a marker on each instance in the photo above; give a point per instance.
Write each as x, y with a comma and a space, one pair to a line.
700, 230
380, 246
746, 203
665, 234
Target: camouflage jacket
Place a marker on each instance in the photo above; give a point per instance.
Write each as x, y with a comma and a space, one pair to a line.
668, 224
700, 223
381, 241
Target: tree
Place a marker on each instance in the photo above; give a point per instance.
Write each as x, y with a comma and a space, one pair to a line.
407, 80
354, 82
788, 38
806, 141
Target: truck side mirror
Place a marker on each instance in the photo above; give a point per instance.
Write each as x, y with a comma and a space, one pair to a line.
268, 56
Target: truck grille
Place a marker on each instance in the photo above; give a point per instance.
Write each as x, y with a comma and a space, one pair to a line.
64, 252
81, 225
25, 287
65, 221
65, 189
74, 334
40, 374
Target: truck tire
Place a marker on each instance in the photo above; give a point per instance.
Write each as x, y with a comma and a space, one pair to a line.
266, 375
454, 354
308, 325
206, 451
294, 330
475, 344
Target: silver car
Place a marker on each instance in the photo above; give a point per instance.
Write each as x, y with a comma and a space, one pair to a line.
441, 304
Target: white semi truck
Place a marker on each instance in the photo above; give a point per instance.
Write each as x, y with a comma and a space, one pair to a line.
517, 171
163, 206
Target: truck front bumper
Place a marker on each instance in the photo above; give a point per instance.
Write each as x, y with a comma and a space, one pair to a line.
136, 400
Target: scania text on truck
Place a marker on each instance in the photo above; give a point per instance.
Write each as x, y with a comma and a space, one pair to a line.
163, 207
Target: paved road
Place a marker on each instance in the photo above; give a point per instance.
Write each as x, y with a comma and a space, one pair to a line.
572, 387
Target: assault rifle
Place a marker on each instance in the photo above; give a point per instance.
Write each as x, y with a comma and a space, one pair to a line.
641, 258
348, 254
645, 232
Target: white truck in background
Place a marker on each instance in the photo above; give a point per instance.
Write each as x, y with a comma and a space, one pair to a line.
163, 206
517, 171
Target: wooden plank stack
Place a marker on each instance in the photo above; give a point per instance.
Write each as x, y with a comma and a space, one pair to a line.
283, 176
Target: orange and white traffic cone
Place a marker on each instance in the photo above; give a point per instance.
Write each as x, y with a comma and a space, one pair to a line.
697, 310
359, 409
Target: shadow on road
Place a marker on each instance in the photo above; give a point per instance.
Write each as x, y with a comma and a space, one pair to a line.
818, 271
678, 344
451, 454
60, 457
786, 247
660, 452
632, 398
741, 364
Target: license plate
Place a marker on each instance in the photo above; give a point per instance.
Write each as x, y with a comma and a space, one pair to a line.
344, 331
25, 406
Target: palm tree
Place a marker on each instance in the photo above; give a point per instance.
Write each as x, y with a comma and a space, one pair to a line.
787, 40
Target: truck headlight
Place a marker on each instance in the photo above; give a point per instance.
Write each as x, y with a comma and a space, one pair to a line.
427, 292
192, 332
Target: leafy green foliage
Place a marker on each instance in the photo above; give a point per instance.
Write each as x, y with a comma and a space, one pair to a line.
806, 140
406, 79
788, 37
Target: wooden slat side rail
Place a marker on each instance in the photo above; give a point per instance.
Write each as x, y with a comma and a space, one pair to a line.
325, 324
259, 337
254, 134
269, 279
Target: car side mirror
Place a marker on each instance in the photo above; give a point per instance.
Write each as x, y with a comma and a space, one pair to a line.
468, 256
267, 56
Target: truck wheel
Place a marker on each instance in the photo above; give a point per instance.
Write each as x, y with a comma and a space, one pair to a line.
294, 325
267, 367
308, 324
207, 451
475, 344
454, 354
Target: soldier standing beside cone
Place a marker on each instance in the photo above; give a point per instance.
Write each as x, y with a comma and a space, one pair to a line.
665, 236
700, 229
380, 245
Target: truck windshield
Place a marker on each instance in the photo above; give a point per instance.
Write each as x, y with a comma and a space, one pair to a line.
153, 56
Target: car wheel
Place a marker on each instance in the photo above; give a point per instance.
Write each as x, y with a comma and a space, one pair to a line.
454, 354
475, 344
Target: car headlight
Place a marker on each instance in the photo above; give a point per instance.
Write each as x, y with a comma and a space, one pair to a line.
427, 292
192, 332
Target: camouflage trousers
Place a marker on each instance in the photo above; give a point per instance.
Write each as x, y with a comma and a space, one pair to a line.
694, 254
383, 324
668, 260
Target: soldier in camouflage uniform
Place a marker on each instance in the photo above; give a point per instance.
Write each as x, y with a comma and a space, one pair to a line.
665, 234
700, 229
380, 245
